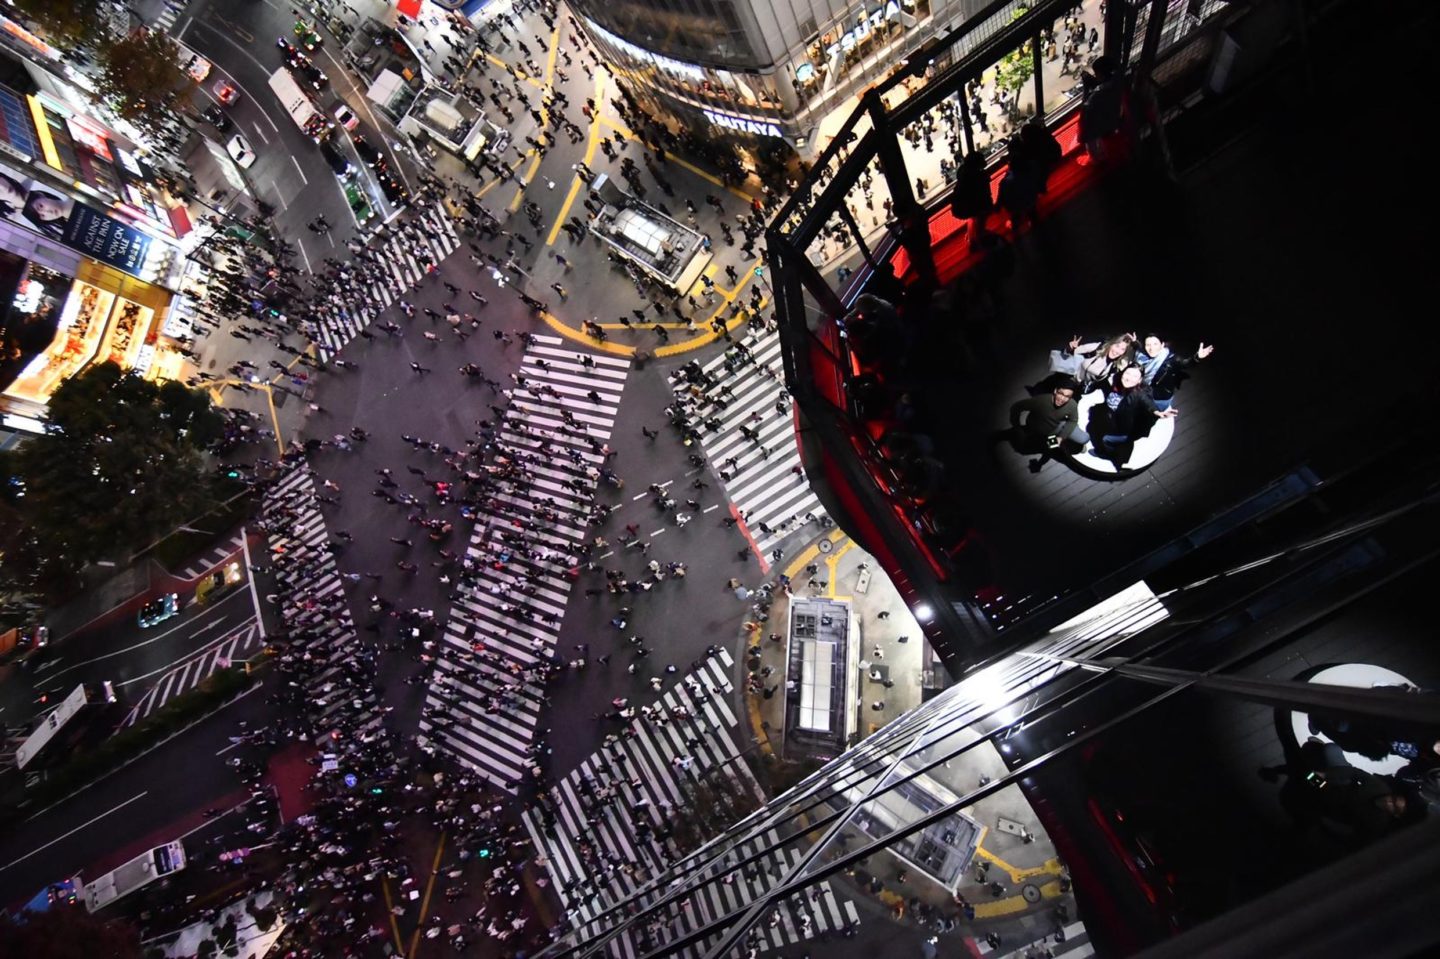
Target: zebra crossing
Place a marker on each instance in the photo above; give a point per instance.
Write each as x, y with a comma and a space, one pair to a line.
765, 481
487, 706
330, 637
169, 13
182, 678
650, 768
346, 317
213, 557
1073, 942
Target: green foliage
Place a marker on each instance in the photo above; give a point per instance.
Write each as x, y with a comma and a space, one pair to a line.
119, 465
68, 933
141, 78
212, 692
1016, 68
67, 23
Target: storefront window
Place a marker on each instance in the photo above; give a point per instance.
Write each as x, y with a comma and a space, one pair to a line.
860, 33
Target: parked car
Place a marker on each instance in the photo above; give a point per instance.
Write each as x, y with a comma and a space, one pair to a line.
240, 151
158, 610
391, 187
226, 92
216, 117
335, 159
371, 156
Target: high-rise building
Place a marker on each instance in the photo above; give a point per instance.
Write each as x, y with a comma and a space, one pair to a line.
762, 70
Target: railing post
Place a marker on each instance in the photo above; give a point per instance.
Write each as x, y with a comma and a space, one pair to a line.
910, 215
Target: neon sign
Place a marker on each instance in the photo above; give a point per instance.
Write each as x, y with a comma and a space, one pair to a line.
763, 128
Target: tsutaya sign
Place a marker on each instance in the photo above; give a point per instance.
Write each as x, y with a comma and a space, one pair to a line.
760, 128
864, 27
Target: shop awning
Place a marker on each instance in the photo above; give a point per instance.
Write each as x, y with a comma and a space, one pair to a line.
410, 8
180, 220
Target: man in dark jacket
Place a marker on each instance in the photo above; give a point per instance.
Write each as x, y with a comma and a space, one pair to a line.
971, 199
1039, 424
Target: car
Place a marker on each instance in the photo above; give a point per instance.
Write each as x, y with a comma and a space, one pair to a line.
288, 50
217, 582
309, 39
309, 73
392, 189
216, 117
335, 159
226, 92
371, 156
359, 203
346, 117
240, 151
158, 610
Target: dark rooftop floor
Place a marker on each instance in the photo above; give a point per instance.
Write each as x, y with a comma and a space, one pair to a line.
1306, 266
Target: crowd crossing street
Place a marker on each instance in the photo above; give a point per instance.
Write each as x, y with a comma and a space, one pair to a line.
393, 262
218, 654
748, 434
488, 691
605, 827
325, 654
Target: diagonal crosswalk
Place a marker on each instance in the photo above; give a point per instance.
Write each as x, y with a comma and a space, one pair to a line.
182, 678
611, 814
764, 478
322, 626
401, 266
486, 695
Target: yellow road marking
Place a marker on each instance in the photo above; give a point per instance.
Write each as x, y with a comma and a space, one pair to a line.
425, 900
1011, 905
627, 134
535, 155
590, 149
389, 907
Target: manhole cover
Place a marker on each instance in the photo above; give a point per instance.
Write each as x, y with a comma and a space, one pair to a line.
827, 545
1031, 892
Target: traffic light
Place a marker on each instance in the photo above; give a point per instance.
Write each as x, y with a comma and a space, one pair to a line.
232, 473
484, 854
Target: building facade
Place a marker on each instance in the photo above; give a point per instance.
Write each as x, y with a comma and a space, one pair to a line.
762, 70
92, 246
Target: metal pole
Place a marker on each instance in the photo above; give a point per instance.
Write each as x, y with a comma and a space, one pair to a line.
1039, 63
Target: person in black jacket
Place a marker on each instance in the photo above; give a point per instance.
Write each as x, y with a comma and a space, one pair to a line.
1165, 369
1127, 415
971, 199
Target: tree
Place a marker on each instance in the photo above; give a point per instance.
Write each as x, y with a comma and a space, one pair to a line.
141, 79
68, 23
119, 465
67, 932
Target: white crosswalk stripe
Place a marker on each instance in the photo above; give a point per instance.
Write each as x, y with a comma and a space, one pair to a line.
237, 645
346, 316
169, 14
212, 558
481, 705
329, 637
763, 481
592, 822
1075, 944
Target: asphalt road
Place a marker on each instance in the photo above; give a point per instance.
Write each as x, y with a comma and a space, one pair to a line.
129, 656
180, 779
289, 172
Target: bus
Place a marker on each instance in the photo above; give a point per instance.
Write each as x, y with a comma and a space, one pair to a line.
63, 725
299, 104
135, 875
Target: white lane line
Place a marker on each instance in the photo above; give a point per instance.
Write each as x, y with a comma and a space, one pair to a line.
303, 179
73, 831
